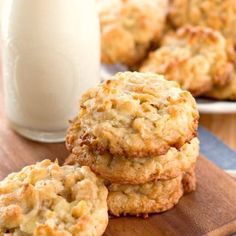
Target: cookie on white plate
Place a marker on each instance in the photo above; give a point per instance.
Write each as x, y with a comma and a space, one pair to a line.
129, 27
196, 57
216, 14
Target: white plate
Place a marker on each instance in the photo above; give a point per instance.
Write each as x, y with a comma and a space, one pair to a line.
232, 173
205, 106
215, 107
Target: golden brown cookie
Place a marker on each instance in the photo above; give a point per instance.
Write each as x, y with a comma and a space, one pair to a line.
226, 92
45, 199
119, 169
217, 14
151, 197
134, 115
128, 28
189, 180
195, 57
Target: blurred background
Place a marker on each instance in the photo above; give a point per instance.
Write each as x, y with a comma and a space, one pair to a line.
221, 124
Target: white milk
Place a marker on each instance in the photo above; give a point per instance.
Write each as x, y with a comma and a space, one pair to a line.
51, 56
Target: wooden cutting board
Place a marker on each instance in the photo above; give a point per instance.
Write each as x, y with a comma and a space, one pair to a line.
211, 210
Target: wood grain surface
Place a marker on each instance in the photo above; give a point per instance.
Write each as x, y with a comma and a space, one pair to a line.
222, 125
210, 210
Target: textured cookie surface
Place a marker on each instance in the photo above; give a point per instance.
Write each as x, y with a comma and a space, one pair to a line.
195, 57
123, 170
226, 92
128, 27
135, 115
151, 197
217, 14
45, 199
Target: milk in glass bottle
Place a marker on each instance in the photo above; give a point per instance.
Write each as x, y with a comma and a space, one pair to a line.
50, 57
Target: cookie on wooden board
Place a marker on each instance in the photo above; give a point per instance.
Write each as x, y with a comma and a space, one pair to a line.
46, 199
134, 115
123, 170
151, 197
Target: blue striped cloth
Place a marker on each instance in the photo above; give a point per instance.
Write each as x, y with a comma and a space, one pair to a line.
216, 151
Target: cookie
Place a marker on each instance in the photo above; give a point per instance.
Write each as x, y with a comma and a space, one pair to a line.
134, 115
226, 92
151, 197
195, 57
129, 27
124, 170
219, 15
45, 199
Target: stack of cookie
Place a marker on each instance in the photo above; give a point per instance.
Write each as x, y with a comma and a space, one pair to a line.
138, 132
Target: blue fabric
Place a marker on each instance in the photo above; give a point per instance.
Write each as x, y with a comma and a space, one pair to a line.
216, 151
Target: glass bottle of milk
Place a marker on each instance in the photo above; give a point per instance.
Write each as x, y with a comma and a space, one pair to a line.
51, 55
